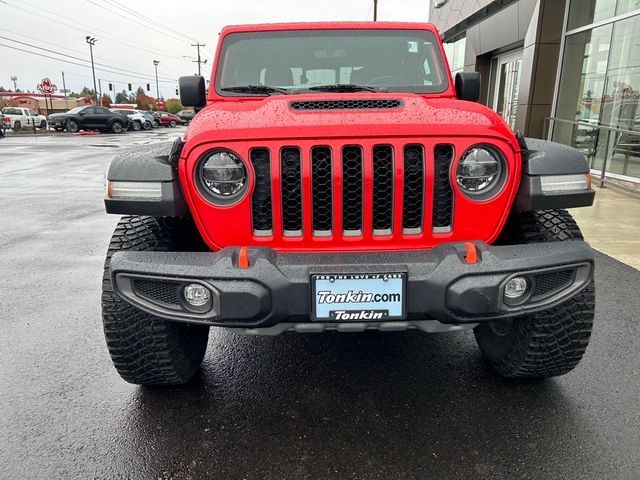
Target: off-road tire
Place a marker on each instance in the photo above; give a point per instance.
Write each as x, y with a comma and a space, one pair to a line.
548, 343
147, 350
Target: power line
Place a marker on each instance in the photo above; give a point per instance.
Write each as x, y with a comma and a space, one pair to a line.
70, 50
122, 16
150, 20
81, 65
109, 35
125, 71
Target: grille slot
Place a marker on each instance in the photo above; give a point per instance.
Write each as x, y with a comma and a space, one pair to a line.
352, 104
442, 215
413, 197
546, 284
382, 189
352, 190
156, 291
321, 191
261, 198
291, 191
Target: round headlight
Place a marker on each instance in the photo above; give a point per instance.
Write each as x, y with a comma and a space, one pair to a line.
479, 171
223, 175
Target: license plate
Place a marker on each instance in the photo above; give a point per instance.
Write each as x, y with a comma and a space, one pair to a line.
358, 297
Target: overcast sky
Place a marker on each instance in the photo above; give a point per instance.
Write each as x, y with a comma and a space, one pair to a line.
127, 45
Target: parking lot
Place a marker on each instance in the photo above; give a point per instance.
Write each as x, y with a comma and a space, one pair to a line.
390, 406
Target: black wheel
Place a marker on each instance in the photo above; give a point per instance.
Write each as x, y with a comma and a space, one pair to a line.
72, 126
156, 124
17, 126
117, 127
146, 125
551, 342
173, 124
146, 350
136, 126
43, 124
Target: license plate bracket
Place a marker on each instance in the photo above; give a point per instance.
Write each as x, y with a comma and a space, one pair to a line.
358, 297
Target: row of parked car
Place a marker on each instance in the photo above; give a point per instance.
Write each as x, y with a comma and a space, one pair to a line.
92, 118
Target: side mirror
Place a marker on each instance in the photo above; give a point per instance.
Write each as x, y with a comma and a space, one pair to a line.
193, 92
468, 86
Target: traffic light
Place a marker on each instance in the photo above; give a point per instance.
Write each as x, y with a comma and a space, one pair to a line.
148, 87
111, 87
129, 86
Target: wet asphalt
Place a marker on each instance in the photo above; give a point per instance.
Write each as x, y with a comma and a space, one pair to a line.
341, 406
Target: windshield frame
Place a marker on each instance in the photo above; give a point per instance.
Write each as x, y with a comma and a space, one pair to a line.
440, 60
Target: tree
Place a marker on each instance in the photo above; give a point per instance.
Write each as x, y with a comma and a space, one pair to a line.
124, 97
173, 105
105, 101
145, 102
85, 92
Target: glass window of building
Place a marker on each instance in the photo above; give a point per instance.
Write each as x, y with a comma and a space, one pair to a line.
597, 105
585, 12
455, 54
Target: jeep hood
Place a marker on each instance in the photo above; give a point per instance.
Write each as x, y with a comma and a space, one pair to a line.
274, 118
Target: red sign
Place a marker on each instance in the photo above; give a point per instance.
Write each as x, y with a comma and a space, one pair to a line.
46, 86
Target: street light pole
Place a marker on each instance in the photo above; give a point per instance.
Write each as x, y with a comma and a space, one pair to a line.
92, 41
156, 63
375, 10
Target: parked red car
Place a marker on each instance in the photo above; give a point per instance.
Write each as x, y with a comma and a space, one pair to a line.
167, 119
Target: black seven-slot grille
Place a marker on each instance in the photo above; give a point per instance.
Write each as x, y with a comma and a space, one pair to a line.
324, 191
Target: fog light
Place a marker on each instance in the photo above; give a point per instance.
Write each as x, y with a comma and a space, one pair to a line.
196, 295
516, 287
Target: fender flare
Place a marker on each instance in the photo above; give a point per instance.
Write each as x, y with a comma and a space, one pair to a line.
152, 166
542, 158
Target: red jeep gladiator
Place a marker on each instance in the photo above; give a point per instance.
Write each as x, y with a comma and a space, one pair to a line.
336, 177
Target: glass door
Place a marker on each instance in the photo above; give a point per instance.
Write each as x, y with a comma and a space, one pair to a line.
508, 69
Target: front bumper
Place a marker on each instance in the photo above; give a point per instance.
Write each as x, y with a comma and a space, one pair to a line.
275, 287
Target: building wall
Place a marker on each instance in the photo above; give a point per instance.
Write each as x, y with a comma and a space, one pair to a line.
453, 12
492, 28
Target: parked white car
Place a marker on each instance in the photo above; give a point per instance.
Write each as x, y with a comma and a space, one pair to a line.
138, 120
20, 118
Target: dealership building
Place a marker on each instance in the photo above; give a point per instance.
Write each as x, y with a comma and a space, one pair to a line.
567, 70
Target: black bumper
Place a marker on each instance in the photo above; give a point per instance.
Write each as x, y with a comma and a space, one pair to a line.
275, 288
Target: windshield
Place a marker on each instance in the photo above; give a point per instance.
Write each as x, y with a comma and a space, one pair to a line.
76, 110
387, 60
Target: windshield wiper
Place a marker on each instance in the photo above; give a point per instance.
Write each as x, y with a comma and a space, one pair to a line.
258, 89
343, 87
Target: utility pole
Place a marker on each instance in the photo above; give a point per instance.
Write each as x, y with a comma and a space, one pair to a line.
156, 63
375, 10
100, 89
198, 45
64, 92
14, 79
92, 41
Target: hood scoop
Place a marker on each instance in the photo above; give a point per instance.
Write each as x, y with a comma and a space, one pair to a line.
346, 104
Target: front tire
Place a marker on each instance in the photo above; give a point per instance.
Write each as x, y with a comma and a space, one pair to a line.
173, 124
17, 126
548, 343
43, 125
147, 350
